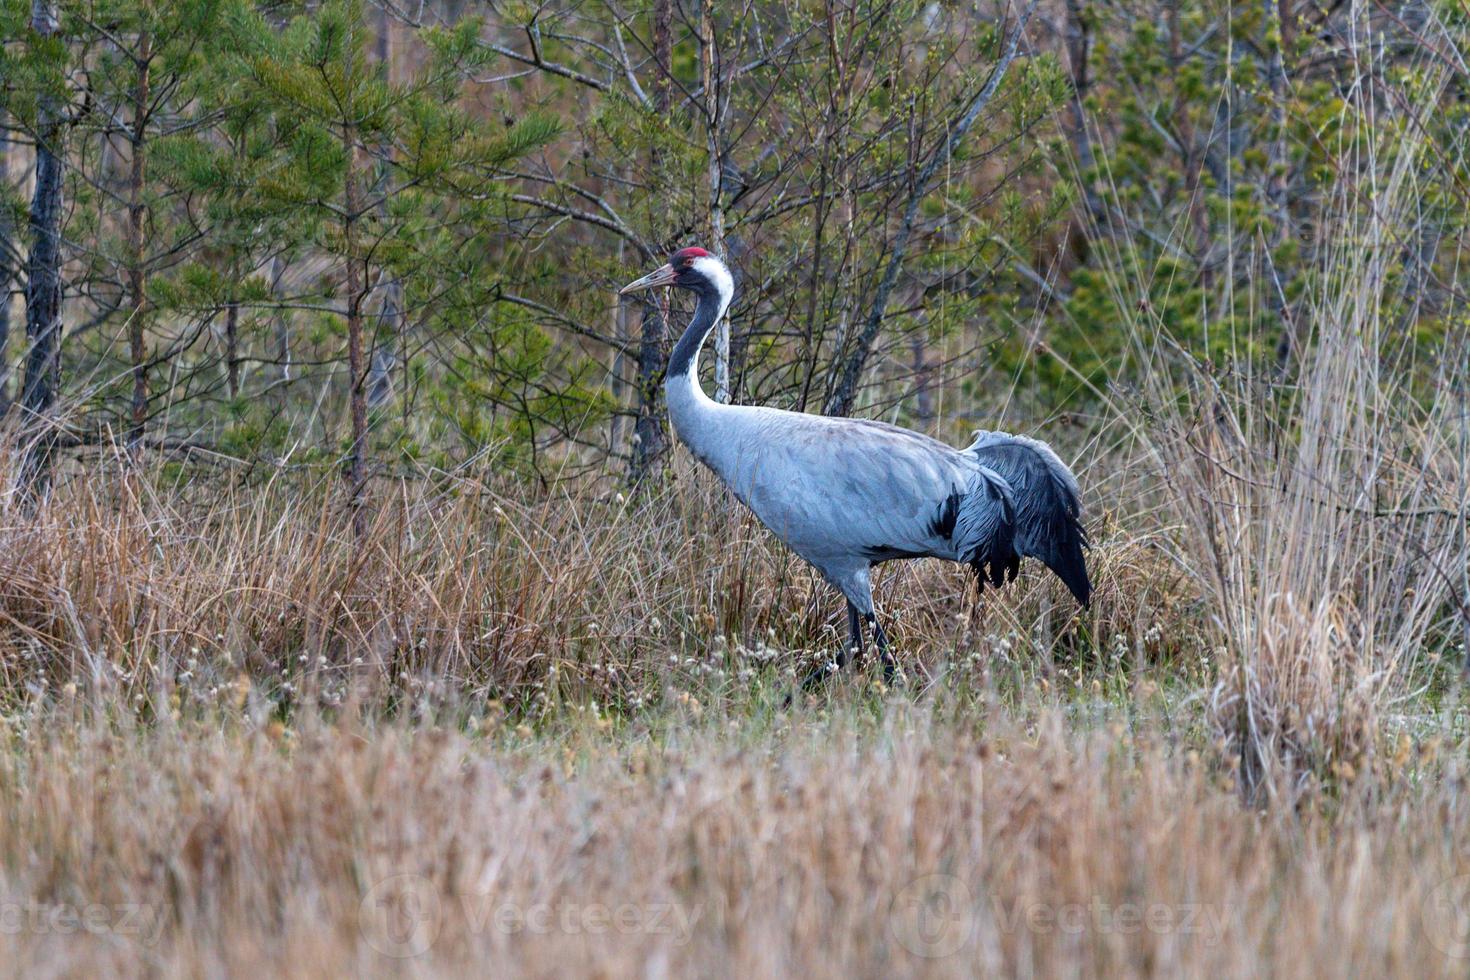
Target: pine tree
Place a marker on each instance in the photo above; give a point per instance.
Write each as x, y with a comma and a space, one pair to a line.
377, 169
146, 80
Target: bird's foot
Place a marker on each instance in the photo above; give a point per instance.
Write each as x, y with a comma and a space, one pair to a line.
814, 680
821, 675
893, 675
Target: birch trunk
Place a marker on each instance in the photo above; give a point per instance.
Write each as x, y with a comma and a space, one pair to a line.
708, 71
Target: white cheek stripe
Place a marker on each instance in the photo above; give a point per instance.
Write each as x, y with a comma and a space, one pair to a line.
714, 270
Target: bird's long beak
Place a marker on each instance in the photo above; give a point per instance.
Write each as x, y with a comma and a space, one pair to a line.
661, 276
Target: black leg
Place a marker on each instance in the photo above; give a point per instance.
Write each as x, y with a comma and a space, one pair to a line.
854, 648
819, 676
885, 652
854, 631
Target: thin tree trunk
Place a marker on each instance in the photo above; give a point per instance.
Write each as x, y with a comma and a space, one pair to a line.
1079, 46
844, 393
43, 280
923, 377
707, 58
651, 440
137, 273
1192, 160
811, 340
356, 463
232, 348
1461, 386
650, 431
1276, 191
8, 247
386, 343
735, 250
389, 346
280, 327
618, 368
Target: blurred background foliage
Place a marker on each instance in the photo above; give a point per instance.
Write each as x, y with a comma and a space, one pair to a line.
388, 236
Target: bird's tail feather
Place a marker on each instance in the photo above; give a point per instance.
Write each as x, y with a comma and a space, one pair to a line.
985, 528
1046, 503
1065, 558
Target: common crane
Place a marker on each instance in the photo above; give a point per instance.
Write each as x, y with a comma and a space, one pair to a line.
847, 494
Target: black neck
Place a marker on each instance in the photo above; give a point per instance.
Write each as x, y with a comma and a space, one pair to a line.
681, 361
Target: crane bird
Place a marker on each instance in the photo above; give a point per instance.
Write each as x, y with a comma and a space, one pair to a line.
847, 494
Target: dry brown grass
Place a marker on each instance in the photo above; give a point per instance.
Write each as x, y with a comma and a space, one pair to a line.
842, 845
463, 591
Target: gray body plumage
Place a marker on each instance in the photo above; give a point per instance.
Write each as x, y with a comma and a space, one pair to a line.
846, 494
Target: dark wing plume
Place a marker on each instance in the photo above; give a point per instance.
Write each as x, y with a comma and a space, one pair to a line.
1048, 507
